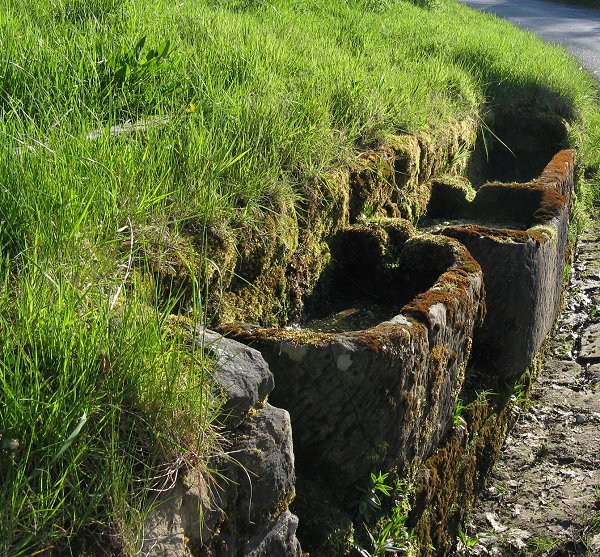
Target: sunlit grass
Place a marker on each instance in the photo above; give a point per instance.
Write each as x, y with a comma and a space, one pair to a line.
252, 100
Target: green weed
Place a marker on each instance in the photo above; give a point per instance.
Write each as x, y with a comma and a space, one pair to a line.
468, 542
370, 504
457, 418
384, 510
541, 544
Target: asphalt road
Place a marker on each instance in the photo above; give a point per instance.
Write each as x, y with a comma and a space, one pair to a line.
576, 28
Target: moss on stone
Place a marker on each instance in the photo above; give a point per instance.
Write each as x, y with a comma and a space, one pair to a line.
424, 156
452, 288
450, 197
372, 185
276, 335
451, 478
500, 235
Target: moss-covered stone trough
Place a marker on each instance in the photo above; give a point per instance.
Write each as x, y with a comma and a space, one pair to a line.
372, 372
391, 327
381, 396
518, 234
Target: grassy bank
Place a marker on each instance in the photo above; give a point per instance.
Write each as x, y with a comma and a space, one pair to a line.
240, 104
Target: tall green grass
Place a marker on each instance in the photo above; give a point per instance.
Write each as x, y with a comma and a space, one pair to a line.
96, 412
101, 398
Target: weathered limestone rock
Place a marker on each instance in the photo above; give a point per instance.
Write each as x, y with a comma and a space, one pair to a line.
246, 514
278, 541
240, 372
259, 486
265, 452
168, 527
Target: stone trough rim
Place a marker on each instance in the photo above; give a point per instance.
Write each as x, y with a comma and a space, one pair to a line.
554, 198
409, 317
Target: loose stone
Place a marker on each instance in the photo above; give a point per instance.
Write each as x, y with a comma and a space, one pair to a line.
590, 343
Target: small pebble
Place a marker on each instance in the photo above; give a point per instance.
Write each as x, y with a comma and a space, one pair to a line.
580, 419
9, 444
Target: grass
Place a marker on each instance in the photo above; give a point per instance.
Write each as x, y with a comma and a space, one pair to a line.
381, 516
240, 103
86, 434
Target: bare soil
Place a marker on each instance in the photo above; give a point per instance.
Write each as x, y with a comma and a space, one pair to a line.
543, 497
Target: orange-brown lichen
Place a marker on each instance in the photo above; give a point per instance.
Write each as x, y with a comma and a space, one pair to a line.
559, 172
451, 290
465, 263
552, 205
419, 307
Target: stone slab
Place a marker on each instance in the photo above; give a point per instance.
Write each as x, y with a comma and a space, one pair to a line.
563, 372
590, 343
593, 372
240, 372
592, 268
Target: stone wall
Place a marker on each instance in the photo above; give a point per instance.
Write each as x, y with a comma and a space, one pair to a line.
523, 269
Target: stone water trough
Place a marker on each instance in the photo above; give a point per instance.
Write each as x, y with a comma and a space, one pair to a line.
381, 394
518, 234
371, 375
